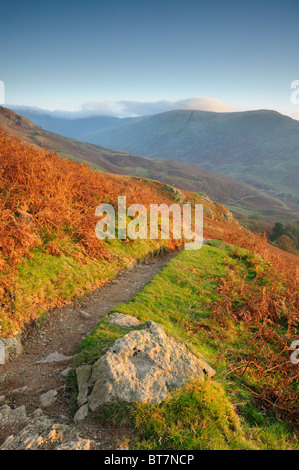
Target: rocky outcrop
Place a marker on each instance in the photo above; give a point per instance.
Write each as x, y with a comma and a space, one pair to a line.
228, 216
143, 365
38, 432
10, 348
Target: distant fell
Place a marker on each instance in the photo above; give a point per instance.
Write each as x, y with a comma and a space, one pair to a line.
260, 147
261, 204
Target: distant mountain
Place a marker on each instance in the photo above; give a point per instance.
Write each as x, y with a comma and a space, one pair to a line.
77, 128
260, 147
242, 199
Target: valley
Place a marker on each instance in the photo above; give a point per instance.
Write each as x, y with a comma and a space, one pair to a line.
258, 205
233, 304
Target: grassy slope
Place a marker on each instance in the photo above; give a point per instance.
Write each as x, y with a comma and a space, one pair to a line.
234, 194
260, 147
45, 281
45, 205
49, 253
223, 413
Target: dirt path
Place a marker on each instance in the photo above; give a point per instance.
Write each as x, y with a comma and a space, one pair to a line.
62, 331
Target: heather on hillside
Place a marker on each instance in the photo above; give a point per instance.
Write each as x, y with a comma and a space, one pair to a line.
257, 204
47, 228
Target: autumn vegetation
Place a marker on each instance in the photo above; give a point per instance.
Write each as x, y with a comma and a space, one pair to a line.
286, 237
238, 311
48, 215
49, 255
48, 203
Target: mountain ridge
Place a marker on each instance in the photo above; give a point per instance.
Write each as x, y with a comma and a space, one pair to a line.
238, 144
260, 147
243, 199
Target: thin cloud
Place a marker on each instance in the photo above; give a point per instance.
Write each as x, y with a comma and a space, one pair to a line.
141, 108
295, 115
205, 104
130, 108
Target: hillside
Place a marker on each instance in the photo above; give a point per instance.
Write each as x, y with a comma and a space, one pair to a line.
245, 201
235, 302
49, 251
76, 128
260, 147
229, 306
48, 228
226, 304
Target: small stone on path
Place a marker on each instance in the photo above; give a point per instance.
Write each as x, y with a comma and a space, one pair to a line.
54, 357
48, 398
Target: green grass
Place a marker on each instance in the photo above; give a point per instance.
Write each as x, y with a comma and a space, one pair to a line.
260, 146
96, 344
215, 414
45, 281
199, 415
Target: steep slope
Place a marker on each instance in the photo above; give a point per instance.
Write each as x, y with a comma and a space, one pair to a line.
49, 252
235, 304
244, 200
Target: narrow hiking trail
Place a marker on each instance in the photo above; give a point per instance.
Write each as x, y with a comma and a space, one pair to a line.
23, 380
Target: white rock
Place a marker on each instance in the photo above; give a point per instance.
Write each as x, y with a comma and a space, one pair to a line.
18, 391
143, 365
9, 415
123, 320
48, 398
81, 413
12, 348
84, 315
65, 371
54, 357
39, 432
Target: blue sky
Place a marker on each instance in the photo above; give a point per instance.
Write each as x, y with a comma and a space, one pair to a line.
94, 54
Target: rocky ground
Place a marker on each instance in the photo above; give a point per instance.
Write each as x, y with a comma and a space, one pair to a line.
35, 399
